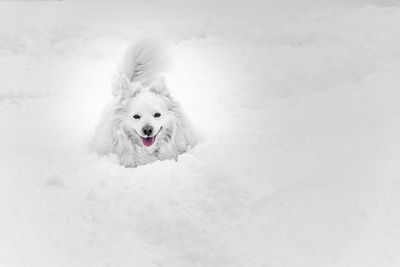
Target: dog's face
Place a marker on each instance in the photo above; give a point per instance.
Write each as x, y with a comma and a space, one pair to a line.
148, 118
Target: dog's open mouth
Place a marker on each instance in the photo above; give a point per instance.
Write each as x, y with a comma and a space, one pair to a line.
148, 141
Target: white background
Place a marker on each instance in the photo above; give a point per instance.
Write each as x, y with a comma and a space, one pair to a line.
298, 104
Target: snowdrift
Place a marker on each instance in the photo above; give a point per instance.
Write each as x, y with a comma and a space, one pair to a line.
299, 108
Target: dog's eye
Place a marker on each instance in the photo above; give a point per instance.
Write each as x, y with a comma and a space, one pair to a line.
136, 116
156, 115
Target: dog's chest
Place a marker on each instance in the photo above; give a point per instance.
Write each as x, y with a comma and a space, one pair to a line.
146, 155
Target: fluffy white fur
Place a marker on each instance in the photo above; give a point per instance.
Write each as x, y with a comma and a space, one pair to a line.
139, 89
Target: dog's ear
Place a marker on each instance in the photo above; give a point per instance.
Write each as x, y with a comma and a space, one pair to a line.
135, 89
126, 88
159, 87
122, 85
126, 84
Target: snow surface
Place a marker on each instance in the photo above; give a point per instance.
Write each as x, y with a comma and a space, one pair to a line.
299, 109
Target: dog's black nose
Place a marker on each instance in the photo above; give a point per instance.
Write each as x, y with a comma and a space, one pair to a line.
147, 130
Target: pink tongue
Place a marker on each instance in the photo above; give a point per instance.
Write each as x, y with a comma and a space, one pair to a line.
148, 141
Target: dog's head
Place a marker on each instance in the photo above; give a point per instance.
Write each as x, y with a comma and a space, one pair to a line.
148, 114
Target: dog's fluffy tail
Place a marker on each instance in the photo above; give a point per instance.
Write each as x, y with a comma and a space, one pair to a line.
142, 62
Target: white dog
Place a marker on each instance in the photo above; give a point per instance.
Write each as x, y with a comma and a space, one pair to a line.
143, 123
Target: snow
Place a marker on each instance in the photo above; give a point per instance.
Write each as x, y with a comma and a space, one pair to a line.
299, 109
